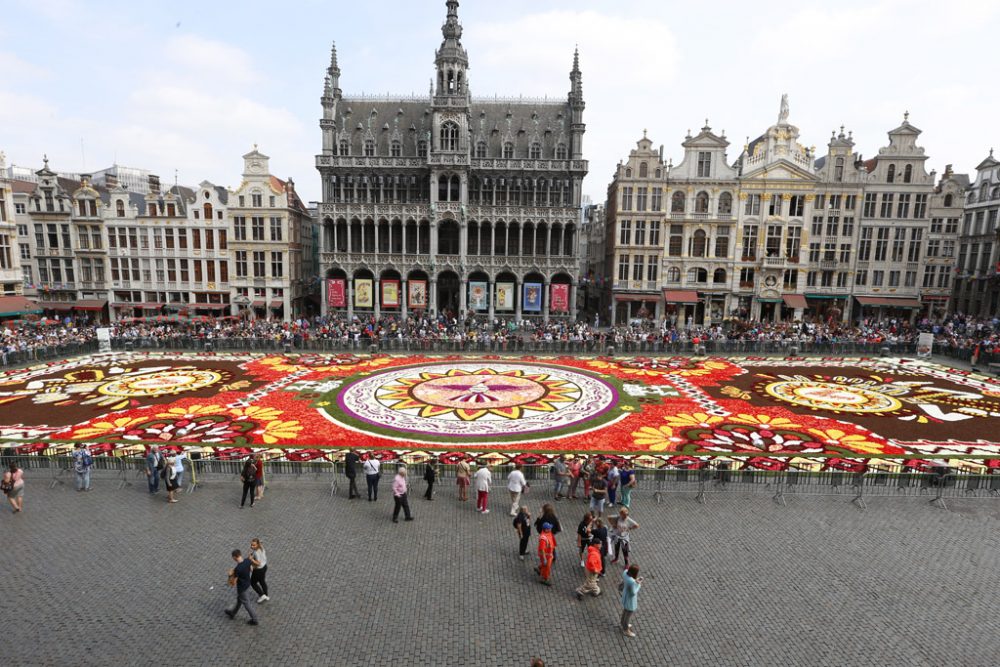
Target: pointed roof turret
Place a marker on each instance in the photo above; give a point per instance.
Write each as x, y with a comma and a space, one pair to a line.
576, 79
332, 80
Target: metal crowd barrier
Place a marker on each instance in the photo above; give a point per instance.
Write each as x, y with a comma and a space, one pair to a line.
12, 358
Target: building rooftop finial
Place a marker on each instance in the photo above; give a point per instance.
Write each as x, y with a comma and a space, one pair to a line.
991, 151
906, 116
333, 57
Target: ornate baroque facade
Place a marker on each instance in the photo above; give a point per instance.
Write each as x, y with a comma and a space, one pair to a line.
451, 203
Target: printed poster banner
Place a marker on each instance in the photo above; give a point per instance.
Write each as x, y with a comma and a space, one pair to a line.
417, 293
925, 344
505, 296
479, 297
336, 293
390, 293
363, 296
559, 300
532, 301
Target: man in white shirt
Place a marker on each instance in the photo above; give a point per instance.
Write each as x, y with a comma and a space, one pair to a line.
371, 468
482, 480
516, 484
179, 468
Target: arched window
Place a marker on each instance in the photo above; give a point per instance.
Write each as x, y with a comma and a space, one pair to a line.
838, 170
561, 151
658, 173
120, 208
726, 204
643, 170
907, 173
891, 174
628, 172
701, 202
995, 193
697, 276
719, 276
345, 147
677, 202
535, 151
396, 148
699, 242
480, 149
948, 200
673, 275
207, 209
449, 136
508, 150
369, 147
983, 192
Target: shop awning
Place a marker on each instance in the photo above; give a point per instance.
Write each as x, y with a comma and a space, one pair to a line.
149, 306
888, 301
15, 306
825, 296
680, 296
762, 300
934, 297
275, 305
55, 305
209, 306
794, 300
90, 304
258, 303
636, 297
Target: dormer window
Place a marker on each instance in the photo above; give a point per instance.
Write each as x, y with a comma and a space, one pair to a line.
345, 147
120, 208
369, 148
643, 170
256, 200
481, 149
171, 210
561, 152
890, 175
908, 173
535, 152
508, 150
396, 148
704, 164
152, 210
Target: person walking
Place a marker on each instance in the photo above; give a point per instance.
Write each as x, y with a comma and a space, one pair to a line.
179, 468
240, 576
598, 493
583, 536
628, 481
82, 463
462, 474
613, 476
372, 475
169, 474
258, 577
351, 472
430, 475
258, 484
574, 477
154, 464
546, 554
623, 526
599, 532
592, 570
13, 486
561, 482
483, 478
249, 478
631, 584
587, 472
522, 524
516, 485
399, 489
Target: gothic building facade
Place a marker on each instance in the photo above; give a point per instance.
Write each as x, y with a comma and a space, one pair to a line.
450, 204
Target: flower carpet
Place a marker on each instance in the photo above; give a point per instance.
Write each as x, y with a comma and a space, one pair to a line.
829, 412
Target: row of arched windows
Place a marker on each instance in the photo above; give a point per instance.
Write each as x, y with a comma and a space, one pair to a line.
678, 202
696, 275
449, 141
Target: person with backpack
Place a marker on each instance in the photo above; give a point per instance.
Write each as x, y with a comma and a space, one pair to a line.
154, 466
592, 571
82, 462
249, 478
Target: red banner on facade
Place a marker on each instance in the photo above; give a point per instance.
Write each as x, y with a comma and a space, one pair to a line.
559, 301
336, 293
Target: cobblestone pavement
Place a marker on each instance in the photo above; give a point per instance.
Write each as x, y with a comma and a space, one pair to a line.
117, 577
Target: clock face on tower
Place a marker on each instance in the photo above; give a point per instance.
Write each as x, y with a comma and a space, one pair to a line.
255, 165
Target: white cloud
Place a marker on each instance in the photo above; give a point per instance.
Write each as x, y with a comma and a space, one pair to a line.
16, 69
217, 63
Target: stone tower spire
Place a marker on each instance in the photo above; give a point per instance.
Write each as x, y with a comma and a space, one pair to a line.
576, 105
331, 96
333, 72
451, 60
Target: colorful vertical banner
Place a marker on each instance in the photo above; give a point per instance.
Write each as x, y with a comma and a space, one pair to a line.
363, 296
390, 294
532, 300
479, 295
559, 299
336, 293
505, 296
417, 293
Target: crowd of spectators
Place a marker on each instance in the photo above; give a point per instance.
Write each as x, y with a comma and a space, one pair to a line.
955, 332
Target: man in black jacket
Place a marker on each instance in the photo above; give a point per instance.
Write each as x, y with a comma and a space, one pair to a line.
350, 469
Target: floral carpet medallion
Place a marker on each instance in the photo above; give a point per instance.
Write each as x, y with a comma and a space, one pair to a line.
669, 410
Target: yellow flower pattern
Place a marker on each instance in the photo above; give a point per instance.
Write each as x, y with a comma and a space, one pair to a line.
98, 429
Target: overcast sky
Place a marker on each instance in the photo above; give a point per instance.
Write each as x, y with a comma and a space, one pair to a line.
190, 86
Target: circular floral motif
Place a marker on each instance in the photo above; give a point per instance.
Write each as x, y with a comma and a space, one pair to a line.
832, 396
477, 399
161, 383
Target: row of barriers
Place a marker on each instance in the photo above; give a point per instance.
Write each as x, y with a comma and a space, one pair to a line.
936, 486
11, 358
515, 345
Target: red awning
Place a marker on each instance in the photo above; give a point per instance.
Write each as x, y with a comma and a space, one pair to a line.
258, 303
794, 300
680, 296
209, 306
55, 305
149, 306
12, 306
90, 304
277, 304
935, 297
636, 297
889, 301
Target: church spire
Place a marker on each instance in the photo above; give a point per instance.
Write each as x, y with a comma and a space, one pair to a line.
451, 59
576, 79
333, 74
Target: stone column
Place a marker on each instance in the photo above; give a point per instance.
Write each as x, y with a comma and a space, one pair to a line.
432, 296
350, 299
463, 293
377, 297
324, 298
402, 297
490, 289
518, 294
545, 300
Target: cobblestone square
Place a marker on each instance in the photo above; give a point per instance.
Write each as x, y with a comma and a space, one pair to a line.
119, 577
